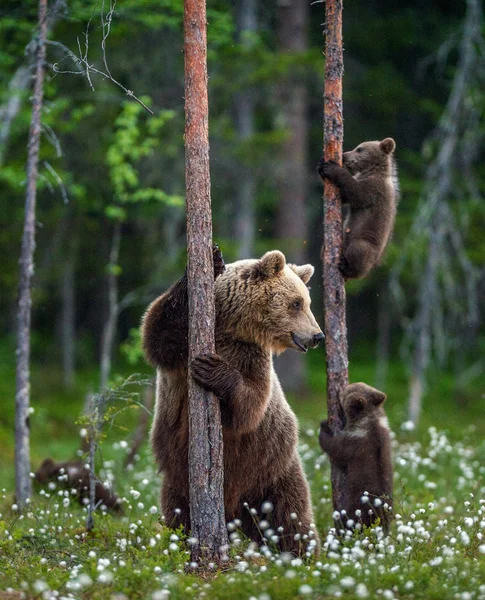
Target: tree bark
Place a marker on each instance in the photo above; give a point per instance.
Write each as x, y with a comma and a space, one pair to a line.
109, 330
383, 346
22, 395
244, 105
206, 474
333, 283
68, 315
291, 223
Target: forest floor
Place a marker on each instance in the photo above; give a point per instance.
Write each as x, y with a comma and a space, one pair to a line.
436, 548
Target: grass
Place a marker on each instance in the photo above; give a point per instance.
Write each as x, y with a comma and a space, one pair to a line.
436, 548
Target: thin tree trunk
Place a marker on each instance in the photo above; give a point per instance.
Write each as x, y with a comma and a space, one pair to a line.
17, 88
383, 336
244, 105
291, 224
206, 474
109, 330
141, 430
68, 316
22, 395
422, 351
333, 283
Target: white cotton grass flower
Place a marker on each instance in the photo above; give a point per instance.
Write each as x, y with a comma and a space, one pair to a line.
361, 591
305, 590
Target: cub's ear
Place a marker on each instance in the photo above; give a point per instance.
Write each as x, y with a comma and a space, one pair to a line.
270, 264
377, 397
388, 145
304, 272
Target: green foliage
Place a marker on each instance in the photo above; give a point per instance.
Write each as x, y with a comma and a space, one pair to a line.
136, 136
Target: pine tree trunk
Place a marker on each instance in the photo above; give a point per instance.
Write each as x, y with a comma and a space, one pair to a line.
206, 474
22, 394
291, 223
333, 284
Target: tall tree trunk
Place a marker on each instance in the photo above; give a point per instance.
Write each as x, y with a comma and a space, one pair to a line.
206, 474
22, 396
333, 283
291, 224
109, 330
68, 333
383, 336
244, 104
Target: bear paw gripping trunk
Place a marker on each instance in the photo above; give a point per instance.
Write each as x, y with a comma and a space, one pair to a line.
206, 473
333, 283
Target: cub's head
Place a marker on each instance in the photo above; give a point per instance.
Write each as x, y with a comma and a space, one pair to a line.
267, 302
370, 156
46, 470
362, 402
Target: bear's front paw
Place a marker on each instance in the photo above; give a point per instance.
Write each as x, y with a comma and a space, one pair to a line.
214, 374
219, 266
328, 169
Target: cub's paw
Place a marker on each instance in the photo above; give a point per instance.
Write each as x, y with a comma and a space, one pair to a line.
214, 374
219, 266
325, 428
327, 169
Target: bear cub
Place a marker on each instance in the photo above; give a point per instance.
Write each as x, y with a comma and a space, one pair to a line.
369, 187
363, 450
76, 477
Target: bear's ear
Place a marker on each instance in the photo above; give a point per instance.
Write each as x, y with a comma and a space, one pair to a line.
304, 272
377, 397
270, 264
388, 145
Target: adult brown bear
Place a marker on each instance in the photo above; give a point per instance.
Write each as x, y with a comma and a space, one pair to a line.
262, 308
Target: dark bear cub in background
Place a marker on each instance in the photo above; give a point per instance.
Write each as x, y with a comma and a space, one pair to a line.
368, 185
72, 474
363, 451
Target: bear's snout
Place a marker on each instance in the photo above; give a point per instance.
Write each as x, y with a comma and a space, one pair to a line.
318, 338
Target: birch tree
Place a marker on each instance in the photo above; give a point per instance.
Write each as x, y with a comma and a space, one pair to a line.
22, 394
447, 295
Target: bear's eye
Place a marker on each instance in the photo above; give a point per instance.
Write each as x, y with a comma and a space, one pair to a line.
297, 305
359, 149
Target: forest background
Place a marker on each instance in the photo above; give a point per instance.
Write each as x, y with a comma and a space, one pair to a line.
111, 218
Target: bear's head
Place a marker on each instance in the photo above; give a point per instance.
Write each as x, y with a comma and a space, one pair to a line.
361, 402
370, 156
267, 302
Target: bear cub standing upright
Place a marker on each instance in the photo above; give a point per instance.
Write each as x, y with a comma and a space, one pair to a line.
262, 307
368, 185
363, 450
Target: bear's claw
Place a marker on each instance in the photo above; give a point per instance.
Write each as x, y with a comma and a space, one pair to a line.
219, 266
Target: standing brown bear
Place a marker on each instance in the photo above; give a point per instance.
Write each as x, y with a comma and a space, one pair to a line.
262, 307
368, 185
363, 451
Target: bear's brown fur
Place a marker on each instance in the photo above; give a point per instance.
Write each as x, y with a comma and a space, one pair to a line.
262, 307
76, 476
368, 185
363, 450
